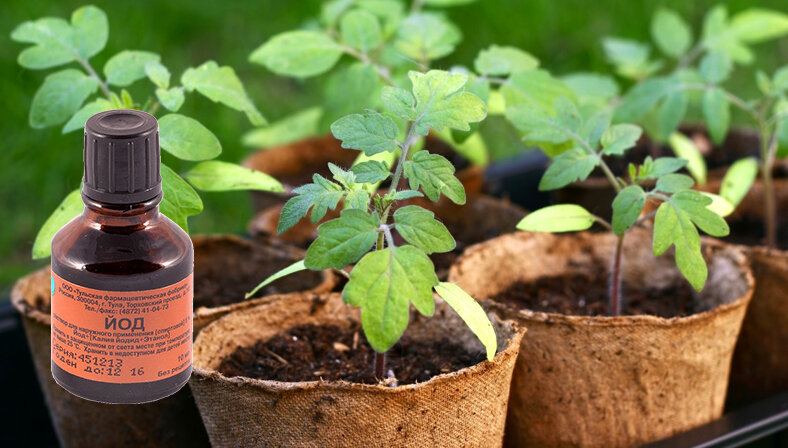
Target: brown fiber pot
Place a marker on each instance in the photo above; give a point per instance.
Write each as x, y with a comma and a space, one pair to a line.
480, 218
295, 163
465, 408
226, 267
170, 422
611, 381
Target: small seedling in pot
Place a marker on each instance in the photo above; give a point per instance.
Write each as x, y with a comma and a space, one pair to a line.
681, 213
697, 73
386, 277
61, 100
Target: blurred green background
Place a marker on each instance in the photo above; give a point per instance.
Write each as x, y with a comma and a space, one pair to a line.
38, 167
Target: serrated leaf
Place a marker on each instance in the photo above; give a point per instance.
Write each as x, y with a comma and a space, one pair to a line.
503, 61
214, 175
684, 148
287, 130
371, 133
627, 207
128, 66
371, 171
557, 218
179, 200
400, 102
673, 183
361, 30
187, 139
383, 284
78, 120
435, 175
342, 241
672, 112
320, 195
673, 227
406, 194
358, 199
426, 36
715, 67
60, 97
158, 74
221, 85
472, 313
670, 32
620, 137
292, 269
172, 99
717, 112
695, 204
569, 166
298, 53
442, 103
738, 180
419, 227
68, 209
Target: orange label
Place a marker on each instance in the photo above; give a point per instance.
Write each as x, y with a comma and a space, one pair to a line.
122, 336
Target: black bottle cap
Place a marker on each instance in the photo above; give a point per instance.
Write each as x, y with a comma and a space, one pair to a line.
122, 157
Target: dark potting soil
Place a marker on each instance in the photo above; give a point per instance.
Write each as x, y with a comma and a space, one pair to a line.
328, 352
586, 294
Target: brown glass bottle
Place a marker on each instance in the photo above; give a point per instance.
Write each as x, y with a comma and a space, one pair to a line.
114, 268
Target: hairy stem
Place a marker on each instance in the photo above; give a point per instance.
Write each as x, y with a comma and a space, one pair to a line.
402, 158
383, 72
614, 308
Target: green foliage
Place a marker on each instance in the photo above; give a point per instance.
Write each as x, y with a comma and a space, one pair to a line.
738, 180
64, 99
213, 175
434, 174
503, 61
558, 218
343, 241
687, 150
298, 53
420, 228
472, 313
627, 207
70, 207
371, 133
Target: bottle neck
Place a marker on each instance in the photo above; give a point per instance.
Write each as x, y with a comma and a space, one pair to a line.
121, 215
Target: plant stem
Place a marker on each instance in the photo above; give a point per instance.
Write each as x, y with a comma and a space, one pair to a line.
614, 308
403, 157
382, 71
380, 365
89, 68
768, 150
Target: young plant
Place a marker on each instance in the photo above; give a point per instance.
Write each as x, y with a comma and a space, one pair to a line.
63, 95
697, 72
676, 222
382, 41
386, 278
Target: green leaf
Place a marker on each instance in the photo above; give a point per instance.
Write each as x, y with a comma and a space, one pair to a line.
70, 208
419, 227
158, 74
719, 205
371, 133
503, 61
322, 194
715, 67
627, 207
442, 103
717, 112
187, 139
339, 101
472, 313
425, 36
406, 194
435, 175
342, 241
179, 200
128, 66
671, 112
673, 183
78, 120
535, 87
780, 79
214, 175
630, 57
567, 167
54, 39
557, 218
620, 137
361, 30
758, 25
671, 33
292, 269
371, 171
221, 85
539, 124
383, 284
287, 130
674, 227
400, 102
666, 165
684, 148
91, 30
345, 178
641, 99
446, 3
738, 180
60, 97
695, 205
592, 86
298, 53
172, 99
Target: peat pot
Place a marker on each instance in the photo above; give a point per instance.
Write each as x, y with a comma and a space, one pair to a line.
225, 267
610, 381
463, 408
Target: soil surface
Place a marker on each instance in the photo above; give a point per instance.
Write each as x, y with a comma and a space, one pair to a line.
328, 352
586, 294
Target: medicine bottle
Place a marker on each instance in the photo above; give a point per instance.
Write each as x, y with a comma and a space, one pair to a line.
122, 273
